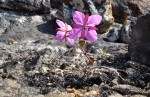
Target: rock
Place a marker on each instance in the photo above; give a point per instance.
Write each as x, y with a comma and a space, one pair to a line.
4, 23
62, 94
16, 26
138, 96
104, 87
137, 73
105, 9
125, 34
92, 7
131, 73
65, 10
115, 95
108, 19
140, 42
114, 33
127, 89
124, 8
121, 32
92, 93
40, 6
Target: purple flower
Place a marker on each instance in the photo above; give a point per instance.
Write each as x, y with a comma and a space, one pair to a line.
84, 26
63, 32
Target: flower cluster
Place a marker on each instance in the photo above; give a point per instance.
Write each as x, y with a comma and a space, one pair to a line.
84, 28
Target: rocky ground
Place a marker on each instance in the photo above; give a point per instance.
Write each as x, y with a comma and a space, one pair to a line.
47, 68
34, 64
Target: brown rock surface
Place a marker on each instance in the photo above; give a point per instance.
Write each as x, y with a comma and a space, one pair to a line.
124, 8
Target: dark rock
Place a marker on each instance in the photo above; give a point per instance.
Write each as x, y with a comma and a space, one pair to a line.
124, 8
113, 35
17, 26
64, 65
139, 74
104, 94
104, 86
121, 32
140, 43
40, 6
114, 32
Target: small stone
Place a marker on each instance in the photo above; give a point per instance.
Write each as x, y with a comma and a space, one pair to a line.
1, 71
93, 92
36, 19
75, 92
11, 41
82, 64
127, 89
115, 95
59, 72
104, 86
45, 69
21, 19
114, 32
138, 96
49, 84
115, 81
70, 90
62, 94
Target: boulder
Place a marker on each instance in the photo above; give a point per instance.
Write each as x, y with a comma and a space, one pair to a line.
26, 5
16, 26
139, 48
124, 8
105, 9
121, 32
113, 34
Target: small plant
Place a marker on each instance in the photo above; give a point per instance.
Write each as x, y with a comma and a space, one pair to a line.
83, 29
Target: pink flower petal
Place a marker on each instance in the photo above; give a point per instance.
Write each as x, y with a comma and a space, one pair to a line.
94, 20
69, 28
60, 35
78, 17
91, 35
60, 29
60, 24
71, 41
75, 33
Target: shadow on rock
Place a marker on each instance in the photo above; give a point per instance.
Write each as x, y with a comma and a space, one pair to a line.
47, 28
